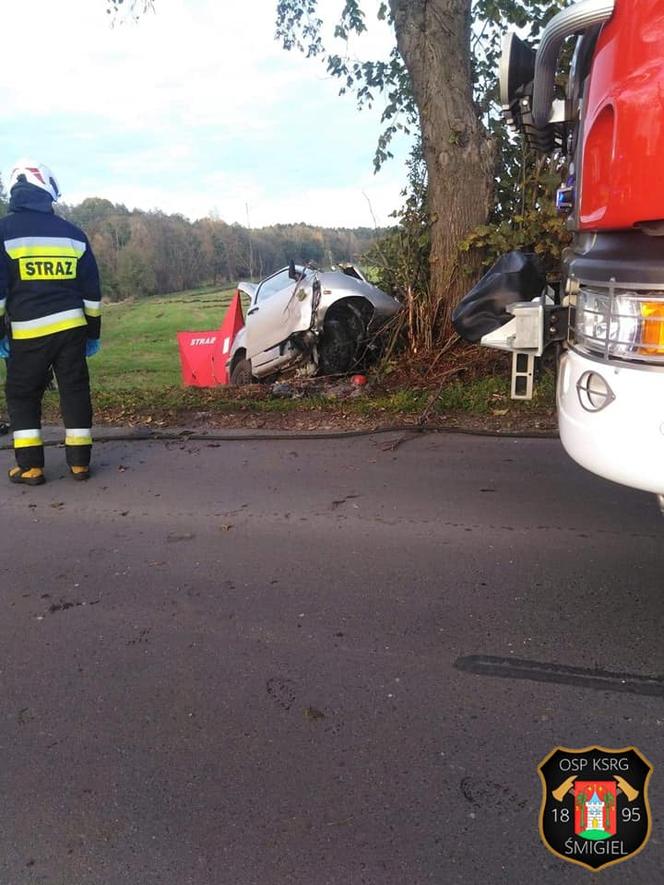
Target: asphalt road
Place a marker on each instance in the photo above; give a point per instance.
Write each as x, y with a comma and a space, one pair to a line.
238, 663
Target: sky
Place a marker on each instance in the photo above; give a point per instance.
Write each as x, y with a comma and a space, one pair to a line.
195, 109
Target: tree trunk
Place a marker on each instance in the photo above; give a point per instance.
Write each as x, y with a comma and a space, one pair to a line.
433, 37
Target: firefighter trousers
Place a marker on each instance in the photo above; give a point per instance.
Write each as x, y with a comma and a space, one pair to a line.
28, 372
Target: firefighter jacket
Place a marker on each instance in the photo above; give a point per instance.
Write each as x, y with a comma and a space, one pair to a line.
49, 279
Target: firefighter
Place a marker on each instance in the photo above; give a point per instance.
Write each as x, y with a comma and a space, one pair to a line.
50, 316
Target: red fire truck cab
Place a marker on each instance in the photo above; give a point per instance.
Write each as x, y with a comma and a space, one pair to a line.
608, 321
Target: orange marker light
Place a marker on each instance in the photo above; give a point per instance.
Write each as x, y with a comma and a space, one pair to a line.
652, 328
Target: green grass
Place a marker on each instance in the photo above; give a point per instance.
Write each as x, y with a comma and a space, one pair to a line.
139, 347
486, 395
479, 397
402, 402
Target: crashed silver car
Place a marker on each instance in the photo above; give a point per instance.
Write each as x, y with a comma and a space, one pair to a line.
321, 322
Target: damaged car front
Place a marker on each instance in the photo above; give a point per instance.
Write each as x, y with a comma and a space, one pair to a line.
322, 322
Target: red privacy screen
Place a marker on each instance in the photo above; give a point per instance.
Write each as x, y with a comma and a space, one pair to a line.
203, 355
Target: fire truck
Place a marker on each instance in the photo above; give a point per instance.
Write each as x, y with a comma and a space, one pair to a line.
607, 319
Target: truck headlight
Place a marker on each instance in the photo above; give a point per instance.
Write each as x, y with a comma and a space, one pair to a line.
621, 325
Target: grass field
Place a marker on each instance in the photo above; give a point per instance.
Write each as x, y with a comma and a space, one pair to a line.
139, 347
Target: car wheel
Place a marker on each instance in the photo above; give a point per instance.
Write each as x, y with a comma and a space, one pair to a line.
241, 373
337, 348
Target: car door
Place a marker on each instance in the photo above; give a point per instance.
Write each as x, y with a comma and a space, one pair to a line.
268, 318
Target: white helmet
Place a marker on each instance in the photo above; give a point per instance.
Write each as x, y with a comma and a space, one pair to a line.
37, 174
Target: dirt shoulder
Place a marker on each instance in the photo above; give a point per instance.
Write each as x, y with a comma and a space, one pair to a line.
459, 394
335, 420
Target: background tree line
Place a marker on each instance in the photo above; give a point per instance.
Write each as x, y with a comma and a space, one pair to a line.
150, 253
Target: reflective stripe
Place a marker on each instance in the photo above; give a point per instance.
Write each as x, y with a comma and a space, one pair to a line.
45, 247
92, 308
55, 322
3, 301
62, 315
23, 439
78, 436
27, 443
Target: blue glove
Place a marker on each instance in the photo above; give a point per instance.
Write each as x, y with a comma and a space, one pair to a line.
4, 349
92, 346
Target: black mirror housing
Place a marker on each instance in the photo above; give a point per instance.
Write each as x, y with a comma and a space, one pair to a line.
516, 276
